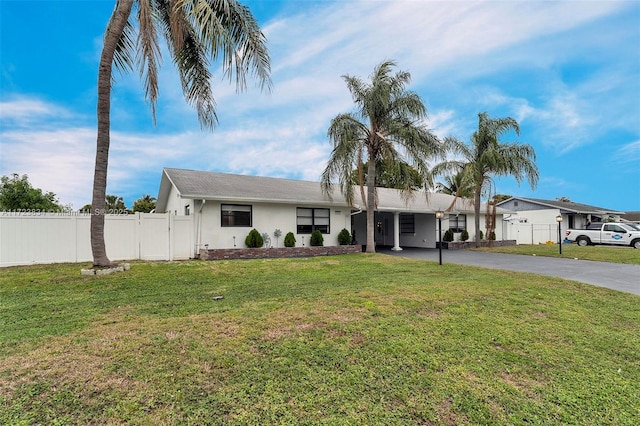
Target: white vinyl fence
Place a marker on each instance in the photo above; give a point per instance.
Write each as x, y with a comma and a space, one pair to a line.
56, 238
530, 233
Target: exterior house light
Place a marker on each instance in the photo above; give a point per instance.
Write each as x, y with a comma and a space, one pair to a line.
559, 220
439, 216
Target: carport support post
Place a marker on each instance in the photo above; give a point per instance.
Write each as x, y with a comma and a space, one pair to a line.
396, 231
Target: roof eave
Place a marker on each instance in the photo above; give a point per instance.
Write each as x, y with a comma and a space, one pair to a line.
261, 200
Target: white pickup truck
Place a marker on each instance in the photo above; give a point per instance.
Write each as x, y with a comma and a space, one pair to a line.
625, 234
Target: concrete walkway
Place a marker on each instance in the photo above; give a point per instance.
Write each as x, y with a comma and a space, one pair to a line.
615, 276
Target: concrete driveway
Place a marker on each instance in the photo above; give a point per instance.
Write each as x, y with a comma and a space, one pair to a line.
615, 276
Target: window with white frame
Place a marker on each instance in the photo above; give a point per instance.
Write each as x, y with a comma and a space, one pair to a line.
458, 223
235, 215
310, 219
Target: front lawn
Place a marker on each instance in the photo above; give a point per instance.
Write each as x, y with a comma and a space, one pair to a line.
602, 253
353, 339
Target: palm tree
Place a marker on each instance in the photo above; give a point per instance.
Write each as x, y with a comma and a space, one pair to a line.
388, 117
486, 156
145, 204
196, 32
113, 203
399, 176
455, 185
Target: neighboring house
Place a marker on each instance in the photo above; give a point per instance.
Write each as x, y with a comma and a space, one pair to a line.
535, 221
633, 217
225, 207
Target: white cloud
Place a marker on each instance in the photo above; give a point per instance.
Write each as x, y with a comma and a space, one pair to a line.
432, 35
263, 151
457, 44
60, 161
312, 49
564, 121
444, 123
628, 156
24, 110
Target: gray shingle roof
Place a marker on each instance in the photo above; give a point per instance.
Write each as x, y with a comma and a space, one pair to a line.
232, 187
224, 186
631, 216
569, 206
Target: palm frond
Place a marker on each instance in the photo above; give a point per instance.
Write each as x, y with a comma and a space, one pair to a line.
191, 60
519, 162
148, 52
347, 135
122, 58
228, 29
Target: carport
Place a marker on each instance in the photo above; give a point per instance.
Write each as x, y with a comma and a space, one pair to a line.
401, 223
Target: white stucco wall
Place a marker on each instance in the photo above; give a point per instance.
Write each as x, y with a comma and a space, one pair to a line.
538, 217
266, 217
535, 226
425, 232
176, 204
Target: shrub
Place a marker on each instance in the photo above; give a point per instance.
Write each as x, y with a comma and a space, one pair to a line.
316, 238
464, 236
481, 235
254, 239
289, 240
277, 233
448, 235
492, 236
344, 237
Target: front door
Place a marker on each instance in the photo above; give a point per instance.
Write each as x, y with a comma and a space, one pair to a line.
382, 232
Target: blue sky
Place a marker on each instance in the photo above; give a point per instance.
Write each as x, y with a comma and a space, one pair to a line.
568, 72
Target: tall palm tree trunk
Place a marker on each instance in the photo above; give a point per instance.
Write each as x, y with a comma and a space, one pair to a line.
371, 204
114, 32
476, 208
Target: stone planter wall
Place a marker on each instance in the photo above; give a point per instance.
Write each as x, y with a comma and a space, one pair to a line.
461, 245
281, 252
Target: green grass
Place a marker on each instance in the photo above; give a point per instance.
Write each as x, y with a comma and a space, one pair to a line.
354, 339
613, 254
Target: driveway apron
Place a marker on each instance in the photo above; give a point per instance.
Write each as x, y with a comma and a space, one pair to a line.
615, 276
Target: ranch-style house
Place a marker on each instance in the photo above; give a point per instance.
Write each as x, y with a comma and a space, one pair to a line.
225, 207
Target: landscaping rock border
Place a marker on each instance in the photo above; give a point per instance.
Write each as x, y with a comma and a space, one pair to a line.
106, 271
273, 253
462, 245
